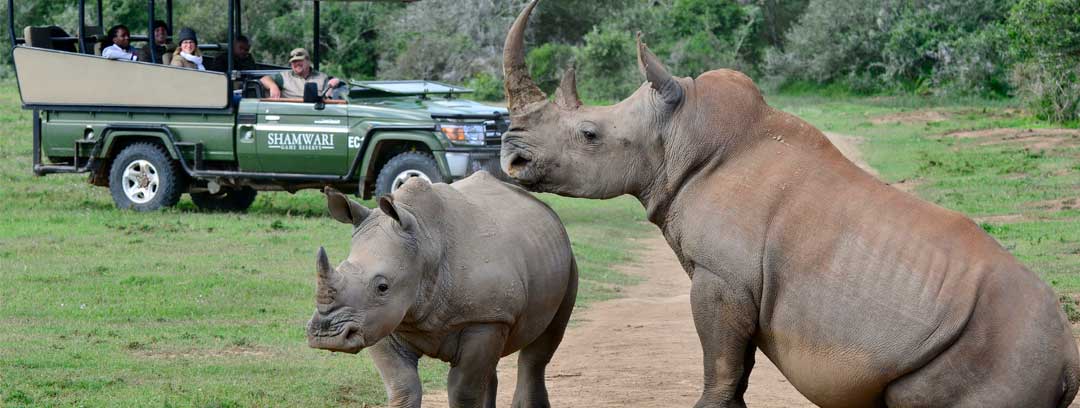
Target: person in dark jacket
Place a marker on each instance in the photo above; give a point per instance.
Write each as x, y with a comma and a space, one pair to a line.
161, 44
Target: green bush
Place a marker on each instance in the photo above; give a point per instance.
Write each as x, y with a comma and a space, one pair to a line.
703, 35
608, 68
547, 62
1045, 37
487, 87
941, 46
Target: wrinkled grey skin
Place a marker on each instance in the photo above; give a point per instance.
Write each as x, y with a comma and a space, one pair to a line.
862, 295
466, 273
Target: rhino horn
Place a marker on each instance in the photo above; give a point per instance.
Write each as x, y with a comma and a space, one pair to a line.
520, 88
567, 95
327, 277
661, 80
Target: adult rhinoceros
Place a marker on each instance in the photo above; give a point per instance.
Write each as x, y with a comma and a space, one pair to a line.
466, 273
861, 294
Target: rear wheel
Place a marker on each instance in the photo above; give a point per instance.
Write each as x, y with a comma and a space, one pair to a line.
144, 178
234, 200
403, 167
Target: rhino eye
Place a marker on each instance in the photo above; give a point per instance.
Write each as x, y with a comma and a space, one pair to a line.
382, 288
589, 135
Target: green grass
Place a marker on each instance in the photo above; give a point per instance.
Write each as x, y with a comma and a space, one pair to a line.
969, 175
100, 307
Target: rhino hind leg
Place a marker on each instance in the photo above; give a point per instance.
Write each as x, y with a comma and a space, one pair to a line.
1003, 359
531, 392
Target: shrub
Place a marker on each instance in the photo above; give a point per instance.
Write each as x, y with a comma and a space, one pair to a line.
487, 87
547, 62
1045, 37
833, 40
608, 68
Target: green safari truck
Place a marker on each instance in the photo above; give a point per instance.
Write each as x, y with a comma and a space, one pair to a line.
152, 132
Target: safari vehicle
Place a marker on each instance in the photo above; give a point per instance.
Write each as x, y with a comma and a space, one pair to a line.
153, 132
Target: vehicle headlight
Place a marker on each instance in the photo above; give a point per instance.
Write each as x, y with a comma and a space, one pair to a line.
466, 134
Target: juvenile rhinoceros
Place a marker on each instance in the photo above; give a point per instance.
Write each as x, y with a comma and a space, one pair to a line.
861, 294
466, 273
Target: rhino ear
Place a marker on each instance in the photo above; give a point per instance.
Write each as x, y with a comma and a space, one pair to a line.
343, 208
661, 80
399, 214
567, 95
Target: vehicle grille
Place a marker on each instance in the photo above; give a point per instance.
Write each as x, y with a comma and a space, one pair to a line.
493, 131
491, 165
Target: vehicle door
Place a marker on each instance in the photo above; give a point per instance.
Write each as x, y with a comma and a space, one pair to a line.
294, 137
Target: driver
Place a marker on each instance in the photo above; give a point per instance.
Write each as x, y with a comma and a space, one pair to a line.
290, 84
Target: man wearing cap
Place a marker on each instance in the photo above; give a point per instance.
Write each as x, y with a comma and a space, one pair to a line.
290, 84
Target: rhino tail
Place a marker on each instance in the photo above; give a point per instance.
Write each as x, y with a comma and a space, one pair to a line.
1070, 384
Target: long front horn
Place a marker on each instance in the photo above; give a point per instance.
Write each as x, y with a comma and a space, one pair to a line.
520, 88
327, 278
658, 76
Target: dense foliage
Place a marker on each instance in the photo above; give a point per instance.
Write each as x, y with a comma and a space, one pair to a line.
996, 48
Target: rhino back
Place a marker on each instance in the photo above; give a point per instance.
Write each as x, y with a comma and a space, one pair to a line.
510, 259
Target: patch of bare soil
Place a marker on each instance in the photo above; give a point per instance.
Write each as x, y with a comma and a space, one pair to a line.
638, 351
1034, 139
1001, 218
201, 353
1060, 204
924, 116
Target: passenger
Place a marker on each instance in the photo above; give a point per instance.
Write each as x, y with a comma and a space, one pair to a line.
242, 59
118, 44
290, 84
187, 55
161, 43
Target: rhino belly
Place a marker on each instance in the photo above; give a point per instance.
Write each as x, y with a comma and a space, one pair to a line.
844, 349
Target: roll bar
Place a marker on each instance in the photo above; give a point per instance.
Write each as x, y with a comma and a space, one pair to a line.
235, 11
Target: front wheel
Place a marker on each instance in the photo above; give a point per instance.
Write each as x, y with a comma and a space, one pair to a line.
232, 200
403, 167
144, 178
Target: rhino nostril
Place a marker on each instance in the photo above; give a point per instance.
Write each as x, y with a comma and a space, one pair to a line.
519, 161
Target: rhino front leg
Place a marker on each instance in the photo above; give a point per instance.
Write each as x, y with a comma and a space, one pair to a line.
479, 350
397, 367
725, 317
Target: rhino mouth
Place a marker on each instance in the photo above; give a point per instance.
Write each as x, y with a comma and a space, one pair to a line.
348, 340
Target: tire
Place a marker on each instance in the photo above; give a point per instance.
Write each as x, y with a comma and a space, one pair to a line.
404, 166
231, 200
144, 178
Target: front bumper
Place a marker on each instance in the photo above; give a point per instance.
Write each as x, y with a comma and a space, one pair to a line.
463, 163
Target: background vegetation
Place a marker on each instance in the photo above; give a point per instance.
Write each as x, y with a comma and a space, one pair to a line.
990, 48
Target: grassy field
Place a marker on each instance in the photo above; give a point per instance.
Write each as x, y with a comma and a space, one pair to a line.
100, 307
990, 160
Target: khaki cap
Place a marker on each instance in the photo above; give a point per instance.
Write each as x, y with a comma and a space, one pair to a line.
298, 54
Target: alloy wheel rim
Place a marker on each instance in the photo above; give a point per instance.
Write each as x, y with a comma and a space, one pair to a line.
404, 176
140, 181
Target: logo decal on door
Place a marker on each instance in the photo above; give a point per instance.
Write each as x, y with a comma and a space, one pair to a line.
299, 141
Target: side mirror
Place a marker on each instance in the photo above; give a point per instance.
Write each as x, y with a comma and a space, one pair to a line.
311, 94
